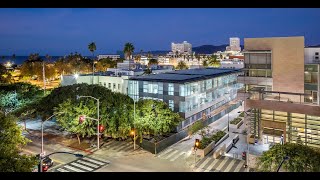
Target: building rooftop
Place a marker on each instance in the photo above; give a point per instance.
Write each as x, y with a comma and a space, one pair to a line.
188, 75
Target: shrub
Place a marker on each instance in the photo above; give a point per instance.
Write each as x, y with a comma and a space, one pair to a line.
235, 121
205, 141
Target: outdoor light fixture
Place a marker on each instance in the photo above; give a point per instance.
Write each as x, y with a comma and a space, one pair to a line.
76, 76
197, 143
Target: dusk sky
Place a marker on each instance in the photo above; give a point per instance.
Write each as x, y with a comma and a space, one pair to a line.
62, 31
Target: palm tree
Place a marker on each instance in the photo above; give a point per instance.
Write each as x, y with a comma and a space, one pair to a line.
128, 50
212, 61
92, 47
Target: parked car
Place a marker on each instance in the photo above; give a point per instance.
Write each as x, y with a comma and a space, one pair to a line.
46, 163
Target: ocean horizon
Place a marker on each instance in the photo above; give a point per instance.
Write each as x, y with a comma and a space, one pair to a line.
20, 59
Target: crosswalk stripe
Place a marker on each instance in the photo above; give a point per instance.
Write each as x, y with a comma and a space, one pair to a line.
211, 165
222, 163
238, 167
81, 166
176, 157
171, 154
109, 142
62, 170
123, 147
87, 163
188, 154
203, 164
165, 152
74, 169
117, 145
94, 161
227, 169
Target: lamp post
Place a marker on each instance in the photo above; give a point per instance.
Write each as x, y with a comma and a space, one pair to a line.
60, 152
228, 110
134, 118
196, 145
284, 158
78, 97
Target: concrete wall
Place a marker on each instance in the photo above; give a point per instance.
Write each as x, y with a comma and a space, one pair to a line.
287, 61
309, 54
283, 106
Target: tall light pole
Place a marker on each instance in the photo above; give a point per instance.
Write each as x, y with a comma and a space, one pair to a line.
78, 97
44, 79
228, 110
134, 119
82, 118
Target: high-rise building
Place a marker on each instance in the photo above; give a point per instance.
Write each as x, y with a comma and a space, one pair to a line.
181, 48
234, 44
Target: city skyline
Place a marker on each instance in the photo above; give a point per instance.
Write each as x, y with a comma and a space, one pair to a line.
61, 31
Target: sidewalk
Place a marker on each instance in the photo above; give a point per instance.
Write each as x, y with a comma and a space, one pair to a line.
53, 135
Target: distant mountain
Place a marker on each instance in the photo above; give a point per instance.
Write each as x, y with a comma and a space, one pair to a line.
204, 49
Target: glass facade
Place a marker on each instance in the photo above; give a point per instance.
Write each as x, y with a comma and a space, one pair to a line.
298, 127
311, 76
190, 99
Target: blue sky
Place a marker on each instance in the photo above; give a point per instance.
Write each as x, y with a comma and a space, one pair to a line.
60, 31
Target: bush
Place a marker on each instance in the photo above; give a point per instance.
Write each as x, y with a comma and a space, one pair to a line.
205, 141
235, 121
195, 127
241, 114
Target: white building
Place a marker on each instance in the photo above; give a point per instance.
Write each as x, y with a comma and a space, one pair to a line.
231, 64
111, 56
181, 48
114, 83
312, 55
234, 44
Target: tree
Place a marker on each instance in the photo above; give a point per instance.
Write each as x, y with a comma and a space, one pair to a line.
105, 63
195, 128
152, 62
154, 117
147, 71
302, 158
10, 147
5, 76
212, 61
181, 65
205, 63
128, 50
92, 47
69, 117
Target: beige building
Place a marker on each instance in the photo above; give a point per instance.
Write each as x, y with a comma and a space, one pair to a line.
274, 78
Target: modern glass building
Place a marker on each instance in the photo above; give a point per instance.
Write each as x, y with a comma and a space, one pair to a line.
193, 93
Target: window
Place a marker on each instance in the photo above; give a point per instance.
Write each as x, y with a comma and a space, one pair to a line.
145, 86
208, 84
182, 106
100, 83
160, 88
171, 104
317, 53
170, 89
182, 90
119, 86
109, 85
114, 85
316, 57
105, 84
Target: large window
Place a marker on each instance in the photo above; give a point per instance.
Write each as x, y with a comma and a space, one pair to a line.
153, 87
208, 84
182, 106
170, 89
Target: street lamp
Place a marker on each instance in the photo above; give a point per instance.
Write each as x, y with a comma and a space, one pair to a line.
60, 152
78, 97
228, 111
134, 118
196, 146
284, 159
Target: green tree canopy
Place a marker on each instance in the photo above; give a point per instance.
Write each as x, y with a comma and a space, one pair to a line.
11, 142
302, 158
155, 117
181, 65
105, 63
212, 61
152, 62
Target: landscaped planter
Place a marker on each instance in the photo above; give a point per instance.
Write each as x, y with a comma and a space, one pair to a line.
236, 126
203, 152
